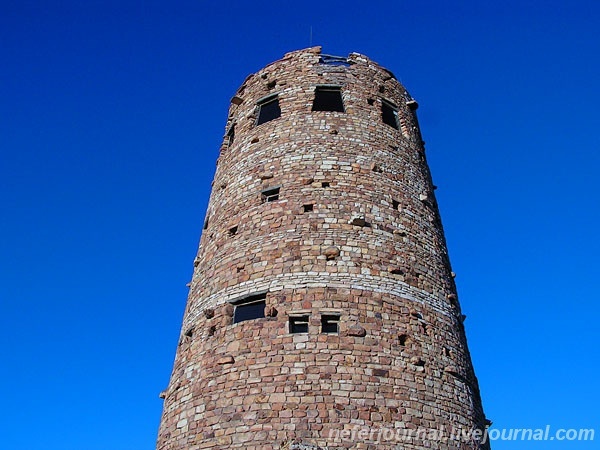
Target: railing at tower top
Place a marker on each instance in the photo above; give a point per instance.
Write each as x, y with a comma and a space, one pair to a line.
332, 60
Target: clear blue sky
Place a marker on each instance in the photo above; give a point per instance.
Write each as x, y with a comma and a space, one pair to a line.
111, 116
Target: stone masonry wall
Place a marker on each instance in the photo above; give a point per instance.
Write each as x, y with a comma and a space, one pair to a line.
355, 232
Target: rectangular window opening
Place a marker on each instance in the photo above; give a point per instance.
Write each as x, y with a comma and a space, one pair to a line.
395, 204
308, 208
328, 98
268, 109
299, 324
233, 231
249, 308
330, 323
325, 184
270, 195
389, 114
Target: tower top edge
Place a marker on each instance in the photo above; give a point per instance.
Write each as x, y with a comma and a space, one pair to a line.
315, 55
352, 58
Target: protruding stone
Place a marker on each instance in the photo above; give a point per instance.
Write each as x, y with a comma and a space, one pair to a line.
209, 313
331, 253
423, 197
265, 175
162, 394
412, 105
417, 361
358, 221
376, 168
413, 312
227, 359
237, 100
356, 330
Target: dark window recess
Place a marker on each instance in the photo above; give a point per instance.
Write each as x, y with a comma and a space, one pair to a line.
270, 195
233, 231
389, 114
205, 224
299, 324
231, 134
325, 184
395, 204
268, 110
403, 339
308, 208
249, 308
330, 323
328, 99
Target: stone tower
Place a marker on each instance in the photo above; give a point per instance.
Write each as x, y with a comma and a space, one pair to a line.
322, 311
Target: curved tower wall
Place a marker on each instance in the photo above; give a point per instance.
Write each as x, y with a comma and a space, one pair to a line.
330, 218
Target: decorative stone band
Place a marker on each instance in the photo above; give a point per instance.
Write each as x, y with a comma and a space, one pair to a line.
299, 280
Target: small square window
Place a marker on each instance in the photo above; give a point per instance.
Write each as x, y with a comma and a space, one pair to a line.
308, 208
249, 308
270, 195
233, 231
268, 109
299, 324
328, 98
389, 114
330, 323
325, 184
